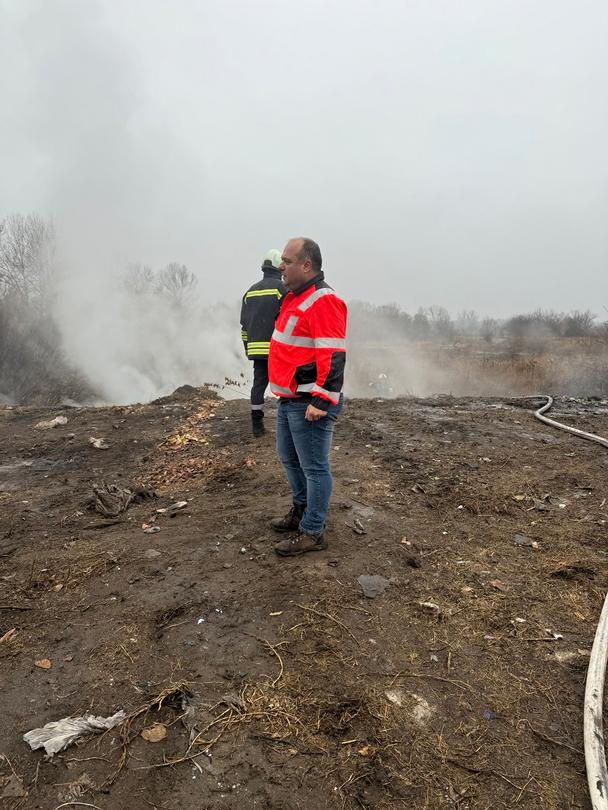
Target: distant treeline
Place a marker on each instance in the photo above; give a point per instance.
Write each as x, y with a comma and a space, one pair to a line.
389, 320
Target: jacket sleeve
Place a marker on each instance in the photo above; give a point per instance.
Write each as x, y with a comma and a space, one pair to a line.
327, 322
244, 323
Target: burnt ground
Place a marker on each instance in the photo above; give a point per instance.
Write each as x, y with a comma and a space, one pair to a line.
277, 684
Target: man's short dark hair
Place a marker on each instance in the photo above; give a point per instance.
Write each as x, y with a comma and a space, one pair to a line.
310, 250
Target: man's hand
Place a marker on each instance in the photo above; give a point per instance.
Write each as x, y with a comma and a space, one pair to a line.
313, 414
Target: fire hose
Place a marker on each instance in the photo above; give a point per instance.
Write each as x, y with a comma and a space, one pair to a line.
593, 724
583, 435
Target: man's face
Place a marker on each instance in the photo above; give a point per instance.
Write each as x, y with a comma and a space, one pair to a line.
296, 271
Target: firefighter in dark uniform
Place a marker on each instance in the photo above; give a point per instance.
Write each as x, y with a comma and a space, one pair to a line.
261, 304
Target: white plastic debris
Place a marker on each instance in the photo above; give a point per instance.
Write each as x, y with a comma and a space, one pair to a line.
51, 423
173, 508
396, 696
423, 711
59, 734
100, 444
570, 656
432, 607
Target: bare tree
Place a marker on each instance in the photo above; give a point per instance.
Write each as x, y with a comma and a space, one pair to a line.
33, 367
177, 282
467, 323
421, 328
440, 321
27, 253
489, 329
138, 279
578, 324
389, 311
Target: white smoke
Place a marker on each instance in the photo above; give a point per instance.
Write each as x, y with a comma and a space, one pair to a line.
136, 347
116, 179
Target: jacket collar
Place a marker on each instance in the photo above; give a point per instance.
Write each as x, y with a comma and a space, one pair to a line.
271, 272
319, 277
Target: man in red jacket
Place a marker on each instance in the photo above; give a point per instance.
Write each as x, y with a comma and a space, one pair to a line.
306, 371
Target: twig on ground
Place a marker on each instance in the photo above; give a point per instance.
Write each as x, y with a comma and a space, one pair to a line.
282, 668
352, 779
552, 739
34, 783
273, 650
9, 763
331, 618
173, 690
77, 804
126, 652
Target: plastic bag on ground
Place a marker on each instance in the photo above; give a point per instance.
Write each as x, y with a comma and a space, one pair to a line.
59, 734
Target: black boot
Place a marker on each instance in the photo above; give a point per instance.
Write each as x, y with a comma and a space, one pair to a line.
257, 423
291, 521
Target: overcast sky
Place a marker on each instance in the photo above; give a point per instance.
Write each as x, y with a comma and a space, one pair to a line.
441, 151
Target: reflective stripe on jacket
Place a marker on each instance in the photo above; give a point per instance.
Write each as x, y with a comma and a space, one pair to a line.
308, 345
259, 309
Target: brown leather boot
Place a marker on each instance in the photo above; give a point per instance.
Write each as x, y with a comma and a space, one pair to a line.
300, 544
290, 521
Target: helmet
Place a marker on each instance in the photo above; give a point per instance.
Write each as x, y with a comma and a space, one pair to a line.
272, 257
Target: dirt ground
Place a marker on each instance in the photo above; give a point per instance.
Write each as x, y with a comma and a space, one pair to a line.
275, 683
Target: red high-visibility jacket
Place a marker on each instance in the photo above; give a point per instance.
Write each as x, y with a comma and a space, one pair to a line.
308, 345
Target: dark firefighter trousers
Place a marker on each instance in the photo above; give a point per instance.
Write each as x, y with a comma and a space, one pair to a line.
260, 383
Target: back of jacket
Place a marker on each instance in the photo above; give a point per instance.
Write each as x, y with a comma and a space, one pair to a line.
260, 307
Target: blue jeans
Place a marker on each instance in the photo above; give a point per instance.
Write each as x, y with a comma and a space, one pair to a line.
303, 448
